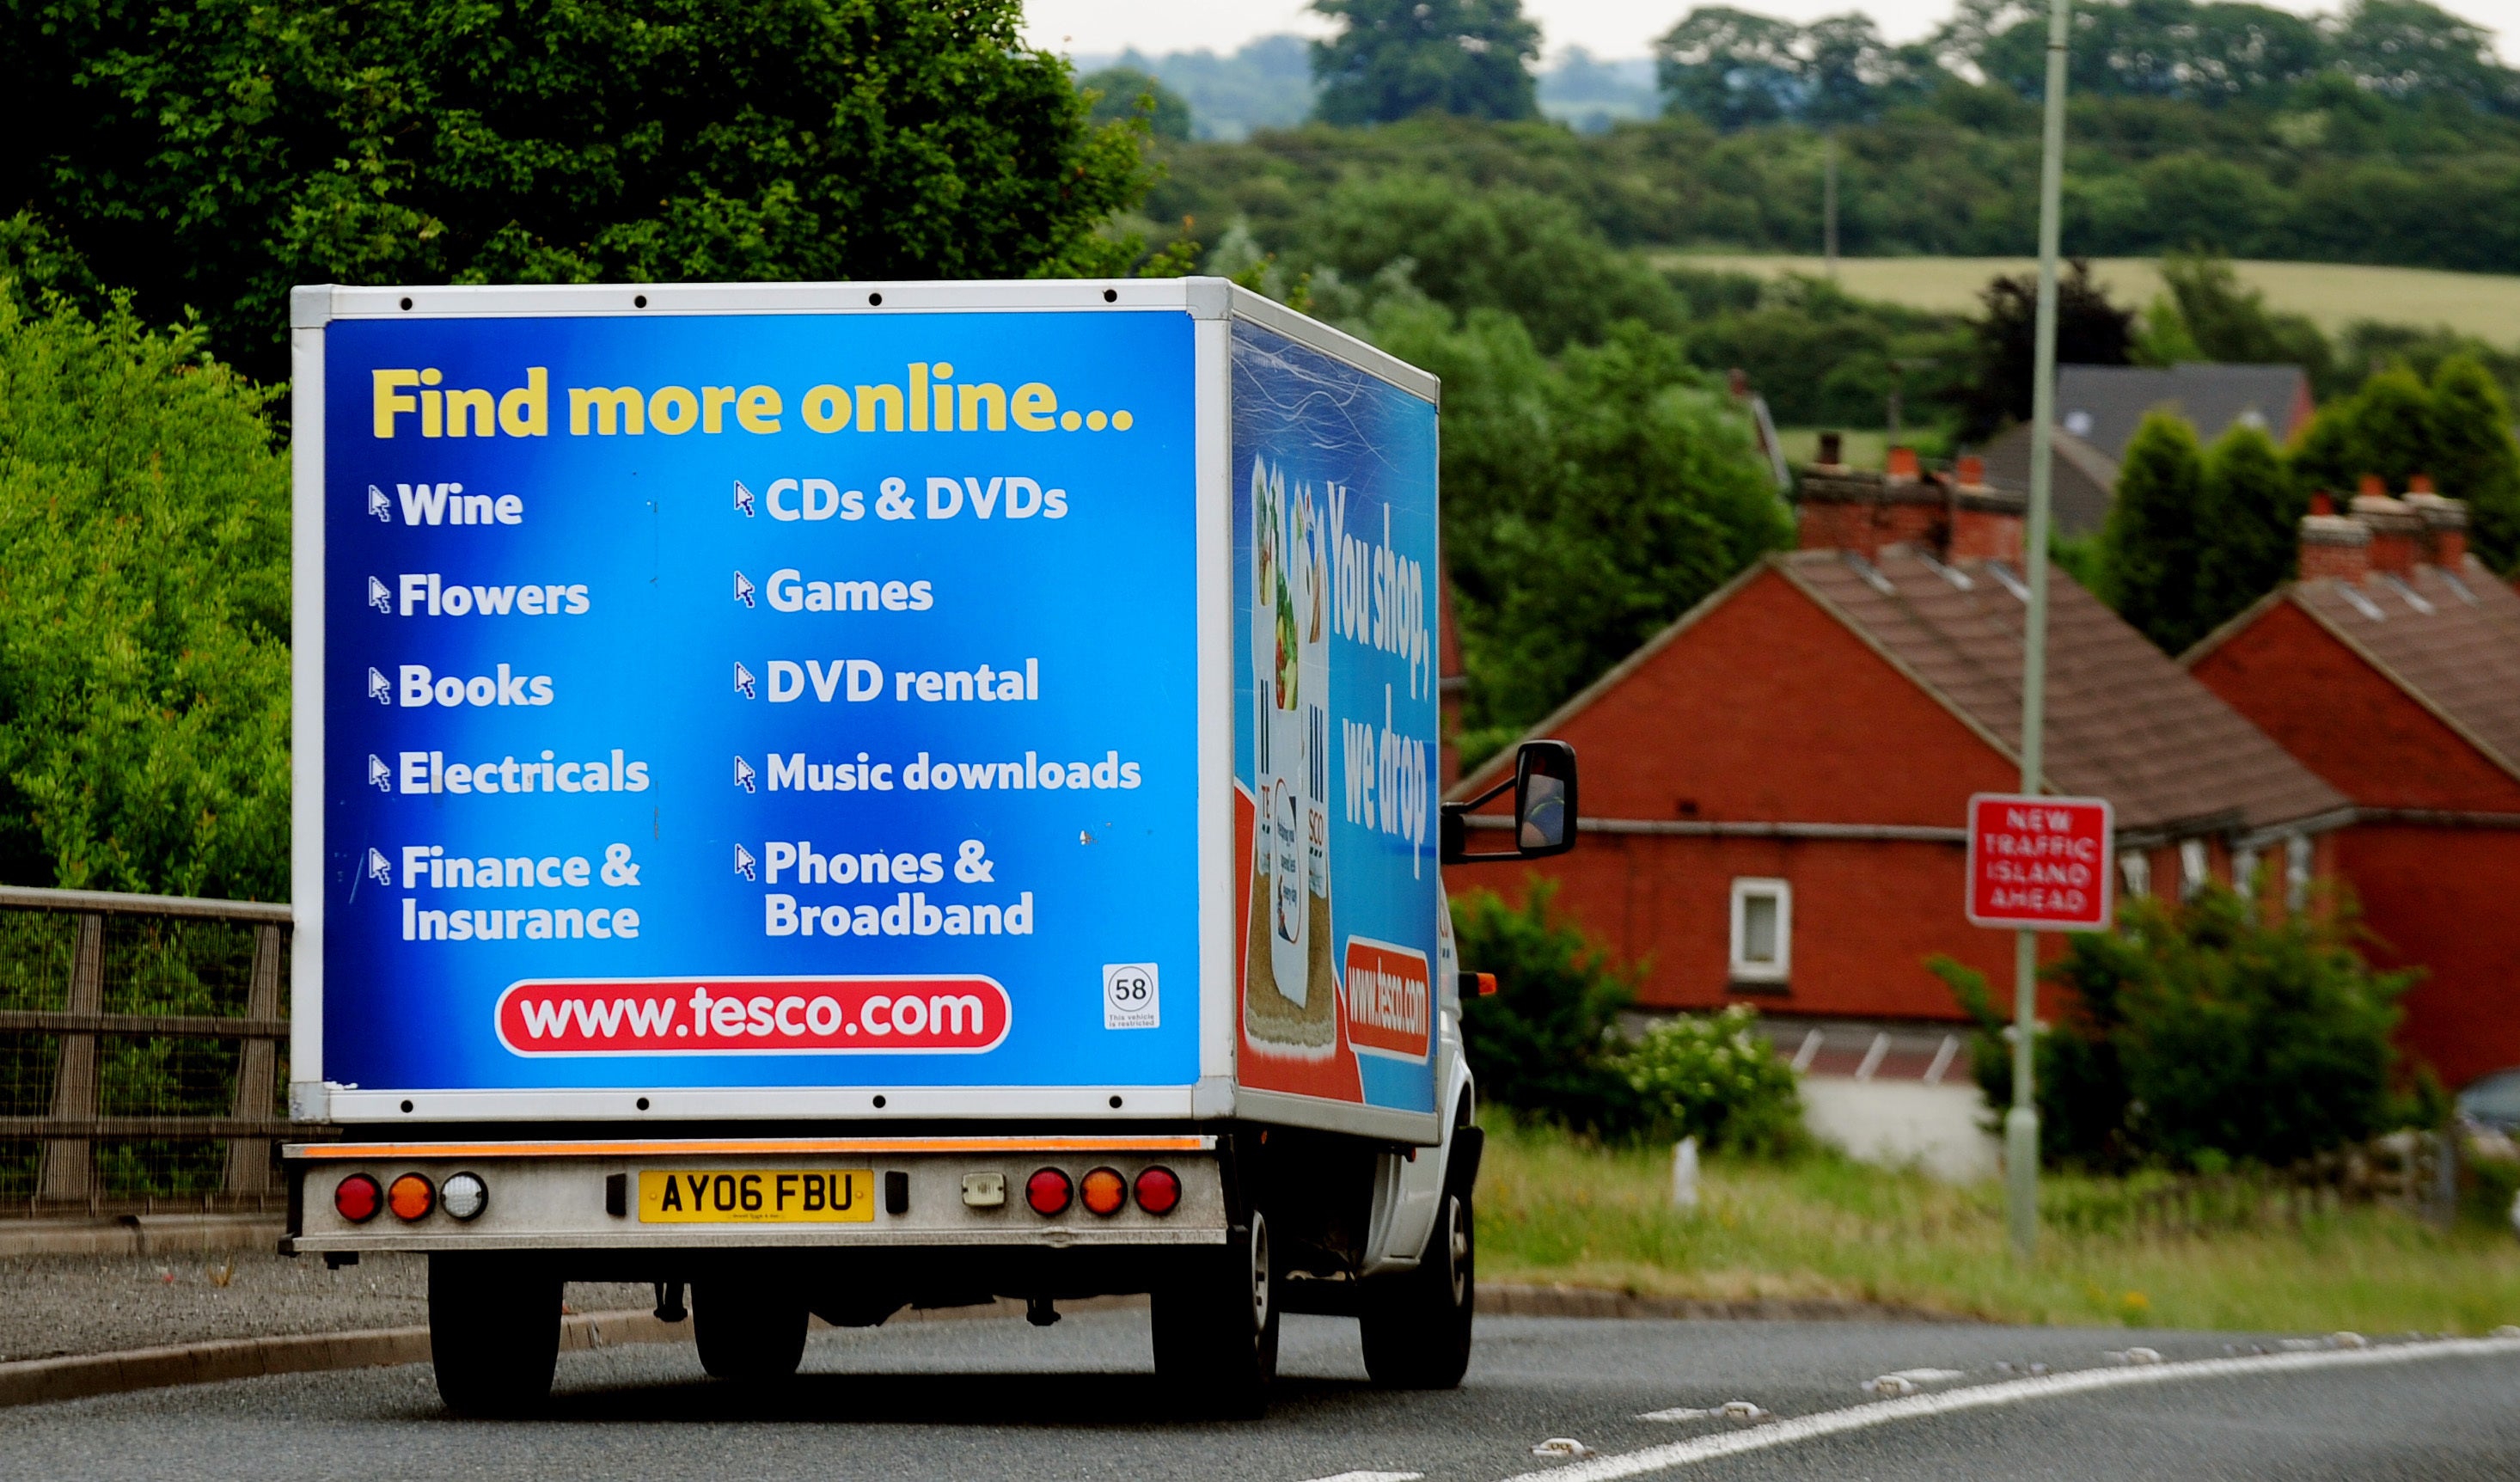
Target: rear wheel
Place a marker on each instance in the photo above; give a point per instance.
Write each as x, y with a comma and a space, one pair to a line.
747, 1328
1416, 1328
1216, 1327
493, 1333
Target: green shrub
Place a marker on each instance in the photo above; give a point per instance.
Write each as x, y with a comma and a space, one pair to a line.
1715, 1078
2198, 1035
1543, 1044
144, 613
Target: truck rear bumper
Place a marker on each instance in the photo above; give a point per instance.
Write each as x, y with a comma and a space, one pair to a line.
755, 1193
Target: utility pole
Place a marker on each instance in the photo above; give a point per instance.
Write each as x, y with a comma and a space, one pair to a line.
2022, 1124
1828, 200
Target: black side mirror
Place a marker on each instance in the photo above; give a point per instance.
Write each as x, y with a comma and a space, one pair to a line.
1543, 808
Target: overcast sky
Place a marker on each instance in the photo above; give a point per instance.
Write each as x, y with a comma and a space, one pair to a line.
1604, 27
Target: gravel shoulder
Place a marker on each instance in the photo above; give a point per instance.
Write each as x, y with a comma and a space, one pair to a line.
51, 1305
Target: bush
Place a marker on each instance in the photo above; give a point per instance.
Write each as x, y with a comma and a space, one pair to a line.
1715, 1078
1543, 1044
144, 613
2196, 1036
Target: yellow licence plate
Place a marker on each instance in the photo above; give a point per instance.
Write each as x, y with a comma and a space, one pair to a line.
756, 1196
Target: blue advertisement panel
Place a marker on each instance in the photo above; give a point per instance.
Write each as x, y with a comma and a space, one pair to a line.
779, 699
1336, 716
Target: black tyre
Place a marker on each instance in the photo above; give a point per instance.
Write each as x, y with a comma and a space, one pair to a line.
747, 1328
493, 1333
1416, 1327
1216, 1327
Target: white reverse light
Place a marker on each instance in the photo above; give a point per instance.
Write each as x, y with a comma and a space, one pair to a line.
464, 1195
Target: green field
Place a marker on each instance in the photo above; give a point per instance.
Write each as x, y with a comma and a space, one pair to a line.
2332, 294
1555, 1210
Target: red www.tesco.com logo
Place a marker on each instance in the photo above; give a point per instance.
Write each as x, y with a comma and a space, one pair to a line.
819, 1015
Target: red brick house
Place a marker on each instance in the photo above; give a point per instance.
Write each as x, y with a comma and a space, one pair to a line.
1775, 786
2391, 669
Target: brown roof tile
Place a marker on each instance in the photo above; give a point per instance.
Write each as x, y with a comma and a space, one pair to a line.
2125, 722
2451, 640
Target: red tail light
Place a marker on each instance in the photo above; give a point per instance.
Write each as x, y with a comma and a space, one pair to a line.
1049, 1192
357, 1198
1159, 1190
411, 1197
1106, 1191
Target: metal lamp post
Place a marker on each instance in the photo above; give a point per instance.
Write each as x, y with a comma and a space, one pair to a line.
2022, 1124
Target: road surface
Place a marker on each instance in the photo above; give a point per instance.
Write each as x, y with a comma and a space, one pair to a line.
994, 1399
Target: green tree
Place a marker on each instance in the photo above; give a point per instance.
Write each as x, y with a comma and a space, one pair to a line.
144, 615
2408, 49
214, 153
1123, 93
2090, 330
2206, 52
1506, 249
2392, 419
2322, 458
2474, 457
1543, 1044
1393, 59
1730, 68
2196, 1035
2234, 325
2148, 547
2248, 515
1586, 502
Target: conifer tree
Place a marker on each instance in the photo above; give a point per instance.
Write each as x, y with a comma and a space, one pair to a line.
2245, 540
2474, 457
2149, 547
2393, 428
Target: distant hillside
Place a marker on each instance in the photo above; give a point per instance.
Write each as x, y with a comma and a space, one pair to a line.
1956, 175
2331, 295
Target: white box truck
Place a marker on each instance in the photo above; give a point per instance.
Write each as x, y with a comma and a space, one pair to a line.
832, 798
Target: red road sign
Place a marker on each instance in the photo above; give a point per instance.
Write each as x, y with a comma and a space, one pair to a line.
2039, 864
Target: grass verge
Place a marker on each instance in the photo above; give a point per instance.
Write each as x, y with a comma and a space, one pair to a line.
1557, 1209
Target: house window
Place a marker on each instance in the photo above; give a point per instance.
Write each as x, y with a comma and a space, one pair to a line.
1763, 930
2136, 871
2193, 868
2297, 873
2244, 873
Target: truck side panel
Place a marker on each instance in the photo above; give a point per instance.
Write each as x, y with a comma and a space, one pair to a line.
1335, 575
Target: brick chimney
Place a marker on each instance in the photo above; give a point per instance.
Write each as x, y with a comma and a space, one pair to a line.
2332, 544
2444, 542
1988, 524
2397, 530
1843, 509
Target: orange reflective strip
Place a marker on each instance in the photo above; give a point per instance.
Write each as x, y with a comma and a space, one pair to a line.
724, 1147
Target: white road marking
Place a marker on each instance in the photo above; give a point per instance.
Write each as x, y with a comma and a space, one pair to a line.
1682, 1413
1637, 1463
1373, 1476
1927, 1376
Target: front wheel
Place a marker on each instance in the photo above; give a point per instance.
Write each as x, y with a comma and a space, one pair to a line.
1216, 1327
1416, 1327
493, 1333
